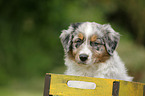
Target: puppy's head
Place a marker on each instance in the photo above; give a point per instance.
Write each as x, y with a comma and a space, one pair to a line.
89, 42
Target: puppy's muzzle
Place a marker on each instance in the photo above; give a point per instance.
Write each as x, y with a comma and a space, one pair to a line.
83, 57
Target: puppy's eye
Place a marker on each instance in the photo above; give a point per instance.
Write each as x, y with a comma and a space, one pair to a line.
78, 43
94, 43
78, 40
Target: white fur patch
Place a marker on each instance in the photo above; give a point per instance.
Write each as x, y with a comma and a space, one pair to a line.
86, 50
88, 30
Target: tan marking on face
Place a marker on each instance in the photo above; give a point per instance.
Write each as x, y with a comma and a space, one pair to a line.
101, 56
71, 55
74, 54
81, 36
93, 38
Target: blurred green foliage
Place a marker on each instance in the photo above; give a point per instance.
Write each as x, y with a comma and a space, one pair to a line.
30, 29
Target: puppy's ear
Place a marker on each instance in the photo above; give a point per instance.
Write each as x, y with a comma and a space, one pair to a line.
111, 39
67, 36
75, 25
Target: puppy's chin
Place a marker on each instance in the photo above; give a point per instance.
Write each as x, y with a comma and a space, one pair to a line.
88, 62
94, 61
83, 63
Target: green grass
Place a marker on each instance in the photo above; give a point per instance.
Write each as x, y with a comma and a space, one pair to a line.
18, 92
33, 87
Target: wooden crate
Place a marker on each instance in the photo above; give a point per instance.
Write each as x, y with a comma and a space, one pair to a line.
56, 84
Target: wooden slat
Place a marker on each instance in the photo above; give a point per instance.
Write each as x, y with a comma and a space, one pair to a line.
115, 90
131, 89
47, 84
59, 86
104, 87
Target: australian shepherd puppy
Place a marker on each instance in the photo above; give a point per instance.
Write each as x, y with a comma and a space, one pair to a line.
90, 51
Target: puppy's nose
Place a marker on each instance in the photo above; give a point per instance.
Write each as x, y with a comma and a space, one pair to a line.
83, 57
